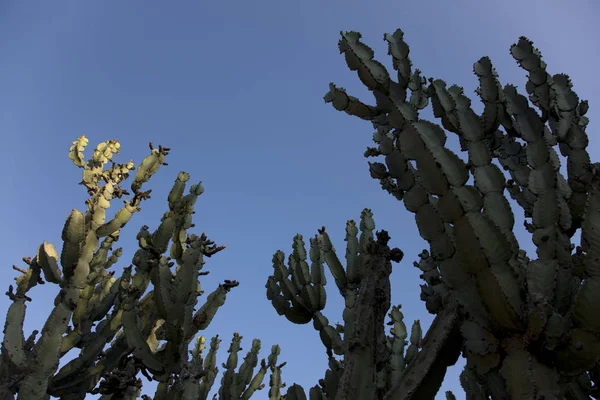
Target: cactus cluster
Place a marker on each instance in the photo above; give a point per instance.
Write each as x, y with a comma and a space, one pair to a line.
120, 328
372, 364
528, 328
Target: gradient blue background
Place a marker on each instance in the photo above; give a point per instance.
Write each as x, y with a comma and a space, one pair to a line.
235, 89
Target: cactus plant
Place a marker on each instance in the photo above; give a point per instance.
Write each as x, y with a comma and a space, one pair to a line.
528, 328
147, 332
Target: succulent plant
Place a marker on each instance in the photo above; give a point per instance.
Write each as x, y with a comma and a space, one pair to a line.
528, 328
121, 328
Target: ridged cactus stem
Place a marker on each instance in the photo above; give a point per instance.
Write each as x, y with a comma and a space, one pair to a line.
365, 351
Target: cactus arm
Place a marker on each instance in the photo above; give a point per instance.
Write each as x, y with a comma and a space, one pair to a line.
330, 337
13, 343
149, 166
354, 270
185, 282
79, 314
161, 279
513, 158
177, 190
333, 262
73, 237
256, 382
101, 258
76, 151
214, 301
114, 257
299, 267
15, 349
184, 207
490, 93
161, 237
134, 336
244, 375
122, 217
341, 101
399, 50
101, 303
47, 259
275, 382
397, 341
539, 81
210, 368
560, 106
440, 349
317, 273
228, 387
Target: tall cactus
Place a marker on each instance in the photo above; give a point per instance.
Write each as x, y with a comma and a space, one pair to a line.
94, 309
528, 328
372, 363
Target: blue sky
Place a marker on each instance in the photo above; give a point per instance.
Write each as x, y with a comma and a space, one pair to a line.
235, 89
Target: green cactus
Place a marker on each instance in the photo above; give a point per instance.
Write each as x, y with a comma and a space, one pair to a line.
94, 308
527, 328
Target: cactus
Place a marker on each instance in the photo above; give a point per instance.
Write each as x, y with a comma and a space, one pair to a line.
372, 362
147, 332
528, 328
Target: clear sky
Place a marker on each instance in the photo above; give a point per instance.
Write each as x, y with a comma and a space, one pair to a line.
235, 89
